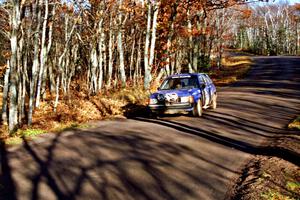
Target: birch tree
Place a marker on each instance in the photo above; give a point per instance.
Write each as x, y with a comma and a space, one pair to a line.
120, 45
15, 21
150, 35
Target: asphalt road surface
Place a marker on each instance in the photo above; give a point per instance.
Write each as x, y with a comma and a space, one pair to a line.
173, 157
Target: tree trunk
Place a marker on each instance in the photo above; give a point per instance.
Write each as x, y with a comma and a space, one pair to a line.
110, 53
47, 70
43, 55
147, 68
153, 34
132, 55
190, 53
100, 56
94, 65
13, 96
57, 92
196, 49
35, 65
5, 94
120, 47
138, 61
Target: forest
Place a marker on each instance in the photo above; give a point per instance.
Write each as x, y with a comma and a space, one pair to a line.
51, 49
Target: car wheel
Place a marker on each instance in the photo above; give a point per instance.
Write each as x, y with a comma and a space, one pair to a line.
213, 104
197, 111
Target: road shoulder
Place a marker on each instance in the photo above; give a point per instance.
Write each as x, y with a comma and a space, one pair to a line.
270, 177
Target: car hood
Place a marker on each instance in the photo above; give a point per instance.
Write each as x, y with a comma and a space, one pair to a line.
180, 93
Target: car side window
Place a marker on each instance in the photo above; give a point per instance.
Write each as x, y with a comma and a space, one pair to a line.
209, 81
205, 80
201, 80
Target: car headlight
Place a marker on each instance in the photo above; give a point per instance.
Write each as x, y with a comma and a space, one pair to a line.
152, 101
188, 99
191, 99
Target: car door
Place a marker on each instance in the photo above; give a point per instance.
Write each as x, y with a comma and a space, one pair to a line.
205, 91
211, 86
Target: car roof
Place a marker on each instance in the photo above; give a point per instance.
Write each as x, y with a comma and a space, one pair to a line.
185, 75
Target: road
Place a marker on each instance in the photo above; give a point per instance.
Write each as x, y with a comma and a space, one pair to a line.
174, 157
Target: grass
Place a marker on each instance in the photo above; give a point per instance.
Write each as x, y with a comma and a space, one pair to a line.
13, 140
31, 134
293, 186
274, 195
280, 182
269, 178
17, 138
65, 127
295, 124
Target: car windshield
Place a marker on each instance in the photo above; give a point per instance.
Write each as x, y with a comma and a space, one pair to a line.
177, 83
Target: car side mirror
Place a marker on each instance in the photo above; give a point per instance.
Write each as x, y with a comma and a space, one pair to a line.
203, 86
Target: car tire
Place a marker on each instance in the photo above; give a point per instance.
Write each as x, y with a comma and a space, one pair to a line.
198, 110
213, 104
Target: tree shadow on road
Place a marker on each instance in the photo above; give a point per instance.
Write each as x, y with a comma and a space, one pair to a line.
102, 165
43, 170
7, 185
266, 150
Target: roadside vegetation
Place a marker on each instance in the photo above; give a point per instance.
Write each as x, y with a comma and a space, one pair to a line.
269, 178
272, 178
233, 68
295, 124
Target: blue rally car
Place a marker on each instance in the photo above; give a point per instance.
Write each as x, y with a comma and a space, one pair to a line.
182, 93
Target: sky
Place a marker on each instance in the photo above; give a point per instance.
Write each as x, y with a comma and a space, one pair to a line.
277, 1
260, 3
294, 1
270, 1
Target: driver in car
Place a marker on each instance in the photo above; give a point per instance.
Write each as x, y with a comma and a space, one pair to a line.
176, 84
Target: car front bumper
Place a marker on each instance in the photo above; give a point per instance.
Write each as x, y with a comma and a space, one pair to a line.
171, 108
